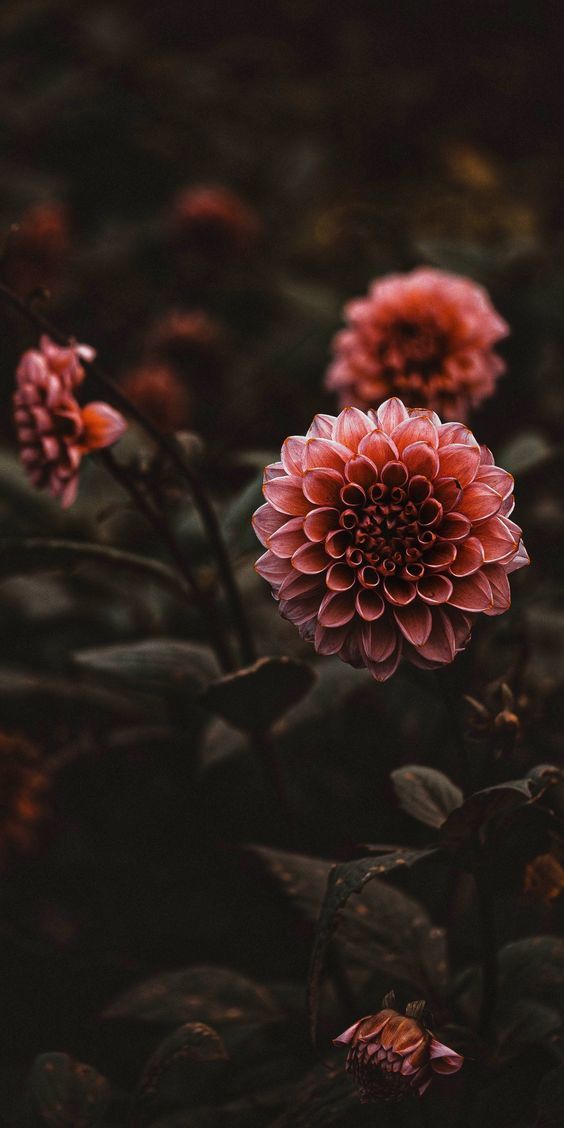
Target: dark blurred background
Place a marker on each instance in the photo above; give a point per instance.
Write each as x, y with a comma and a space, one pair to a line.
358, 139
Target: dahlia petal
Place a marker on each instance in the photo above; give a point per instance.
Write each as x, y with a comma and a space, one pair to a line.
271, 568
379, 638
454, 527
399, 592
499, 480
440, 646
310, 558
266, 521
351, 426
415, 622
336, 608
369, 604
471, 593
288, 538
457, 433
439, 556
323, 487
469, 557
443, 1059
520, 559
384, 669
68, 494
501, 592
434, 589
486, 456
293, 454
427, 412
378, 447
362, 471
340, 577
459, 461
391, 413
102, 426
479, 501
322, 427
496, 539
287, 496
321, 454
330, 640
416, 429
274, 470
447, 491
336, 543
301, 610
320, 522
421, 458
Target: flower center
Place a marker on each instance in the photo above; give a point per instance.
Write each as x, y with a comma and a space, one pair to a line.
413, 347
386, 528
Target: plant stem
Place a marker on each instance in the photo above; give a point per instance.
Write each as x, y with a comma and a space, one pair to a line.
121, 475
490, 969
169, 445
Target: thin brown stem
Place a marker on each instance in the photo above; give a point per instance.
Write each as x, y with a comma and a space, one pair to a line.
169, 445
156, 519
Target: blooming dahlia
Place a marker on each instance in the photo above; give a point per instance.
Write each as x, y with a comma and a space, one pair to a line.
53, 431
426, 336
387, 533
392, 1055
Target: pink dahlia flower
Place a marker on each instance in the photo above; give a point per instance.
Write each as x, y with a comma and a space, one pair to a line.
426, 336
392, 1056
53, 431
386, 534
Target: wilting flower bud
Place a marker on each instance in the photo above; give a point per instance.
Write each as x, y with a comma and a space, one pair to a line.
24, 786
53, 431
427, 337
499, 718
215, 220
160, 394
37, 248
392, 1055
387, 533
544, 878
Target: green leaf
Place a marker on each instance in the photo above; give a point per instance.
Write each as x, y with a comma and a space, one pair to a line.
398, 918
36, 554
252, 699
534, 967
193, 1044
160, 665
214, 995
525, 1022
550, 1099
63, 1093
469, 824
237, 527
426, 794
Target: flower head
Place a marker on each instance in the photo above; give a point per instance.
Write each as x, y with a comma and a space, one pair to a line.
386, 534
215, 220
392, 1055
426, 336
24, 786
190, 339
37, 248
53, 431
160, 393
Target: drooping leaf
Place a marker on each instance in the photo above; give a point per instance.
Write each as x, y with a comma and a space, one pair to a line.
158, 665
252, 699
193, 1044
63, 1093
525, 1022
471, 822
397, 921
426, 794
550, 1099
214, 995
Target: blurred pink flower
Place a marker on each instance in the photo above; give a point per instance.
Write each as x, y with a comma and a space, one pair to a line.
215, 220
37, 248
386, 534
392, 1055
427, 337
160, 394
53, 431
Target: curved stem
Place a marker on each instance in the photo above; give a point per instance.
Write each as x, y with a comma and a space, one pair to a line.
170, 446
162, 529
490, 969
